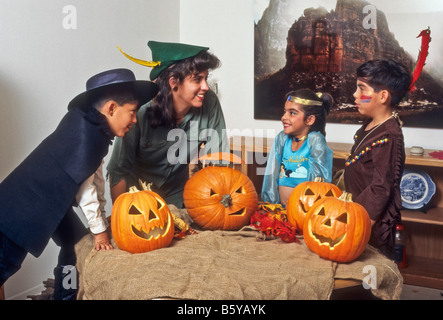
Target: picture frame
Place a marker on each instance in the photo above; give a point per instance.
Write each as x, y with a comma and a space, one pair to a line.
319, 45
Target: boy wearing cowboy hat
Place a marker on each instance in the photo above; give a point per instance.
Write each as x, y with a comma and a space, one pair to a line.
36, 199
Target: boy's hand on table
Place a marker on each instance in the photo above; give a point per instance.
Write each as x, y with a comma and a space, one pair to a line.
101, 241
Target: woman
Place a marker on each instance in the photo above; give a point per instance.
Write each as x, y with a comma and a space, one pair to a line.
171, 129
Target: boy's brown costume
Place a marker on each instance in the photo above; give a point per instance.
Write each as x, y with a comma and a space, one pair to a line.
375, 178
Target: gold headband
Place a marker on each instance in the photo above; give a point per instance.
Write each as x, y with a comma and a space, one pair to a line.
306, 102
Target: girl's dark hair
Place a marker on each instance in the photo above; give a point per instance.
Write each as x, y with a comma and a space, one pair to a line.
320, 112
163, 105
386, 74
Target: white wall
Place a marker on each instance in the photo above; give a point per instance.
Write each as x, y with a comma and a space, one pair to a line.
227, 27
43, 66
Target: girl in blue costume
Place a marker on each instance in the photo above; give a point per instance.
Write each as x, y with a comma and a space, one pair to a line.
299, 152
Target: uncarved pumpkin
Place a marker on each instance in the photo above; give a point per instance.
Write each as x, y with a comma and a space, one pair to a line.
141, 221
337, 229
304, 196
220, 198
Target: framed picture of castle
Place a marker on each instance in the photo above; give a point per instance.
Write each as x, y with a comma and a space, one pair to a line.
318, 44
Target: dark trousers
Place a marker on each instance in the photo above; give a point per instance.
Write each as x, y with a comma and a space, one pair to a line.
68, 233
11, 258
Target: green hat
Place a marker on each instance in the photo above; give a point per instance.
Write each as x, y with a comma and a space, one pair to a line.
165, 54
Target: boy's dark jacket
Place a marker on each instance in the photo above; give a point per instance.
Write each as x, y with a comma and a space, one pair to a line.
38, 193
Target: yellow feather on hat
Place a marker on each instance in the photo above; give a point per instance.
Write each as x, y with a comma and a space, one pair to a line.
145, 63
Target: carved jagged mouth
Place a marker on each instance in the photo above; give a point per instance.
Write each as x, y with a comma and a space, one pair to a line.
155, 232
327, 240
239, 212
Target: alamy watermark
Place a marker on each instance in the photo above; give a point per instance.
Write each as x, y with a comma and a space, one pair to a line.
69, 21
370, 279
187, 143
70, 17
370, 21
69, 277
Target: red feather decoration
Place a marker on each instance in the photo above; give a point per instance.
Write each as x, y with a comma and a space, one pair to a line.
422, 55
271, 220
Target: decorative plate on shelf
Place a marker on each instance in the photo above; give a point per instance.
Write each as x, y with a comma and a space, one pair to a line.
417, 189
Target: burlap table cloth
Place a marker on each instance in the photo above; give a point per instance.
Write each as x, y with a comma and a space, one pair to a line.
225, 265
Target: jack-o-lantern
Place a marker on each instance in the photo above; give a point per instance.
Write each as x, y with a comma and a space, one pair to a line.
304, 196
220, 198
337, 229
141, 221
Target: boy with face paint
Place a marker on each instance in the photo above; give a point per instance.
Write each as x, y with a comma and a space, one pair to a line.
374, 168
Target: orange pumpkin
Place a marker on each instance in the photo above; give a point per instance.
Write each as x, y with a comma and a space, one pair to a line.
304, 196
337, 229
220, 198
141, 221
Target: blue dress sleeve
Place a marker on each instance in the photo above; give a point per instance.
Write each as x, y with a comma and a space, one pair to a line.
270, 180
320, 161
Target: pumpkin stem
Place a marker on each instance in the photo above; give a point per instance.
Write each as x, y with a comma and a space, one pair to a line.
346, 196
226, 200
145, 186
133, 189
319, 179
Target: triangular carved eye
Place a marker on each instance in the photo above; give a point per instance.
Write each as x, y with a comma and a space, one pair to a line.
343, 218
309, 192
321, 212
240, 190
327, 223
152, 215
133, 210
329, 194
212, 193
159, 205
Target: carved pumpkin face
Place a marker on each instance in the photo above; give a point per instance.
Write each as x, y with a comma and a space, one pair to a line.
337, 229
220, 198
141, 222
304, 196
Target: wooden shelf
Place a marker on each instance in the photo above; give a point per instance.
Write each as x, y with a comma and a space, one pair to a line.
251, 144
424, 272
424, 160
432, 216
341, 151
